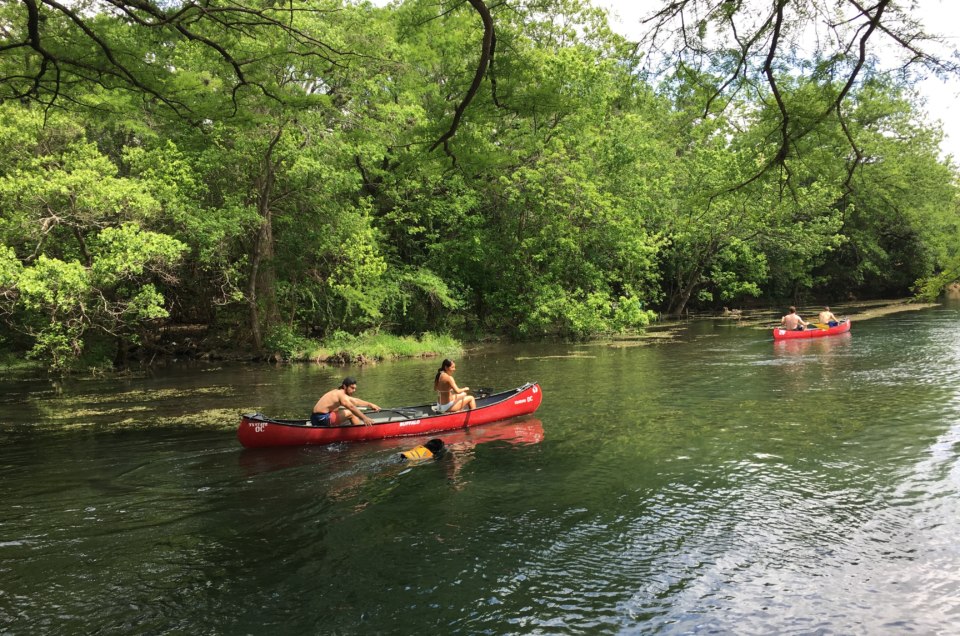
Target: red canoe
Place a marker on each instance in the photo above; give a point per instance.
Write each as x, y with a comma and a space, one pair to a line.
784, 334
257, 431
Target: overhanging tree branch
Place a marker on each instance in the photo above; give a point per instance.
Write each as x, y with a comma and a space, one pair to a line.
486, 57
58, 36
767, 36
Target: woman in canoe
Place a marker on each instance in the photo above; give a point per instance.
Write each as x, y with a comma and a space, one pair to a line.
450, 397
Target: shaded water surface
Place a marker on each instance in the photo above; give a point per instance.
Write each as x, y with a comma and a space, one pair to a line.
719, 483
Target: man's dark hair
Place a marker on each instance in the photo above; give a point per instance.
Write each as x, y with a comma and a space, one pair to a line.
347, 381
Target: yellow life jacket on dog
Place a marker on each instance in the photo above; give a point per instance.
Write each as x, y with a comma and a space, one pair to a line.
418, 453
424, 451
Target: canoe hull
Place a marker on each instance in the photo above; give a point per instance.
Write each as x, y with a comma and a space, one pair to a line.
258, 431
785, 334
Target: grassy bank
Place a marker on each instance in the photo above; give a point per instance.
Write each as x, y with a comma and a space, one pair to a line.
341, 348
367, 347
13, 363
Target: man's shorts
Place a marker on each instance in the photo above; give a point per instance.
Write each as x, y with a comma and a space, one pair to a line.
324, 419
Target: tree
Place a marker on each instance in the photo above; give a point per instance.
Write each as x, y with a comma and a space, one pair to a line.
53, 52
754, 47
76, 232
899, 206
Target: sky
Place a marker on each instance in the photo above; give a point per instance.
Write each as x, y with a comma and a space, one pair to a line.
943, 15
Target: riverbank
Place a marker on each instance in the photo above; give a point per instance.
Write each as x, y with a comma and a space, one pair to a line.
372, 347
344, 348
856, 312
341, 348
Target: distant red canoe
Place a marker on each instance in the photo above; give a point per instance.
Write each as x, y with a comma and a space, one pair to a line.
257, 430
785, 334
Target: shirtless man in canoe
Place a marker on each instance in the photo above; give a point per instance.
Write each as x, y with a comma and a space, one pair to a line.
339, 405
827, 318
792, 321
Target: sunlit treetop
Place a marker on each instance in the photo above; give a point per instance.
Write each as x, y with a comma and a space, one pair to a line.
756, 48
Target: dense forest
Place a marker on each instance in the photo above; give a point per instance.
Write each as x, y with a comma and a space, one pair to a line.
266, 175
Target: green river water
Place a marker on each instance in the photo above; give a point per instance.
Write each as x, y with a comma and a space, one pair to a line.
718, 482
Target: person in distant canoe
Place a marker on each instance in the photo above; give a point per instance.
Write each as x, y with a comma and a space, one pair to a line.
827, 317
450, 397
792, 321
339, 405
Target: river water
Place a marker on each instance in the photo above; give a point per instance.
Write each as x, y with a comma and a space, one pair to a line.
718, 482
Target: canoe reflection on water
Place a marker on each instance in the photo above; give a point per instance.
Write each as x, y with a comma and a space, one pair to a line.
520, 431
812, 346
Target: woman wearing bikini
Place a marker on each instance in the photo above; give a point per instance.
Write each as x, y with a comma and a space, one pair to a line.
451, 397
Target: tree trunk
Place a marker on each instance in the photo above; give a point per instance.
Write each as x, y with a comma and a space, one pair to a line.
678, 303
121, 355
261, 290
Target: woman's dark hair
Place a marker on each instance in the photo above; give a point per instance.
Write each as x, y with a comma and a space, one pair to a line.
443, 367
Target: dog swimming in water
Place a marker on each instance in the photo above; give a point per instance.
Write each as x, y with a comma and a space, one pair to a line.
429, 450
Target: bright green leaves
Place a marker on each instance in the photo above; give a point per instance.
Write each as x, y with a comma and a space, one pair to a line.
51, 297
737, 271
10, 269
59, 302
127, 254
57, 201
357, 267
77, 257
54, 288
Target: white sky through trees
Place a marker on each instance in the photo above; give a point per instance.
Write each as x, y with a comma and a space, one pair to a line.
942, 17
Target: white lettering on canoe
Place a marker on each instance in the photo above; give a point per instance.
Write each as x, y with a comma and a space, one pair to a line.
258, 427
410, 423
529, 398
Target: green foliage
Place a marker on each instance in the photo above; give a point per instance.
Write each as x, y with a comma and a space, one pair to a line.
10, 270
341, 346
288, 343
52, 299
54, 288
126, 253
419, 300
57, 302
380, 346
578, 315
310, 218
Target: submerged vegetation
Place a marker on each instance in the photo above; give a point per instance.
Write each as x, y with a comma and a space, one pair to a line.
340, 181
